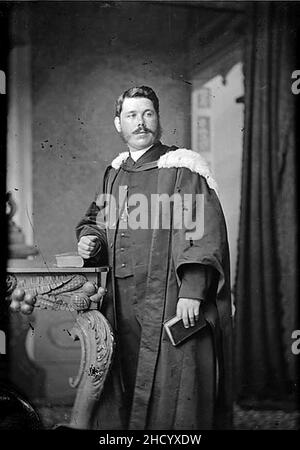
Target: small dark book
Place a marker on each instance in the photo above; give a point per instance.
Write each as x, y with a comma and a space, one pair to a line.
178, 333
71, 259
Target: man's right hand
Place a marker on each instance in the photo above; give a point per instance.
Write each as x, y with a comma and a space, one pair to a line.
88, 246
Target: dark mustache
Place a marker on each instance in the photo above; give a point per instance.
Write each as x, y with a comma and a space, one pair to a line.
142, 129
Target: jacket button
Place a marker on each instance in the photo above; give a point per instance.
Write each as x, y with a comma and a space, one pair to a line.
111, 245
122, 249
123, 265
122, 234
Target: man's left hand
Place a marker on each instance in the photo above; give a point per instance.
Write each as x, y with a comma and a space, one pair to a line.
188, 311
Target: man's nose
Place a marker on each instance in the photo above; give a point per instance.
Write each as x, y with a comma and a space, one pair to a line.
140, 120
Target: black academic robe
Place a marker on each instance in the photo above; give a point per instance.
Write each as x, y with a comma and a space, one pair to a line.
185, 387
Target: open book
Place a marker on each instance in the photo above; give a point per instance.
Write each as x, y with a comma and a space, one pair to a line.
178, 333
71, 259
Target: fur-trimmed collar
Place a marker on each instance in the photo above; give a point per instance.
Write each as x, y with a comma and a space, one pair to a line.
181, 157
117, 162
189, 159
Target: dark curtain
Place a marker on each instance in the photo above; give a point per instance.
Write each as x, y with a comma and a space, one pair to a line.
266, 280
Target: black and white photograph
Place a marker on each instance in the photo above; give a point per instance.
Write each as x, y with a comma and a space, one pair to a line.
149, 197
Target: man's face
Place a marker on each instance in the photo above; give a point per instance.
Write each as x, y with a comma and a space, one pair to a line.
138, 123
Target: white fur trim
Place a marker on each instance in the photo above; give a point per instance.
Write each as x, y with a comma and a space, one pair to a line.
183, 157
117, 162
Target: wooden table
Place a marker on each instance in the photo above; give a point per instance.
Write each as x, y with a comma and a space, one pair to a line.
69, 289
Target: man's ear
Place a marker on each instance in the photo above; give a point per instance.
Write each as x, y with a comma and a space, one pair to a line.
117, 124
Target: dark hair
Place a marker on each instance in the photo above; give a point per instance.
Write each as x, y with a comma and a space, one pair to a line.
141, 91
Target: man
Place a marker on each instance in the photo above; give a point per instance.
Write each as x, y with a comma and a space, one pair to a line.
158, 272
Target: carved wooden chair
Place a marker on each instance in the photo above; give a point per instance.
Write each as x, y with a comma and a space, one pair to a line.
16, 412
80, 290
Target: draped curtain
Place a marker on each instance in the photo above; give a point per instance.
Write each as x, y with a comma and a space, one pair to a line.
266, 279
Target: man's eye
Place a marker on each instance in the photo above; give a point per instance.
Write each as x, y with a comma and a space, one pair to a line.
131, 116
149, 114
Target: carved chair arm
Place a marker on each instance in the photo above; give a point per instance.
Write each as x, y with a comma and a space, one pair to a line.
72, 292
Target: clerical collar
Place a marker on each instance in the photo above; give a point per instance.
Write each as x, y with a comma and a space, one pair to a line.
138, 153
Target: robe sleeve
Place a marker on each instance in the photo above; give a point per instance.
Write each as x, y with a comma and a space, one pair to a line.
195, 281
92, 223
207, 243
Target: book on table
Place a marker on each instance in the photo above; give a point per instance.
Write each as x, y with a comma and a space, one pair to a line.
70, 259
